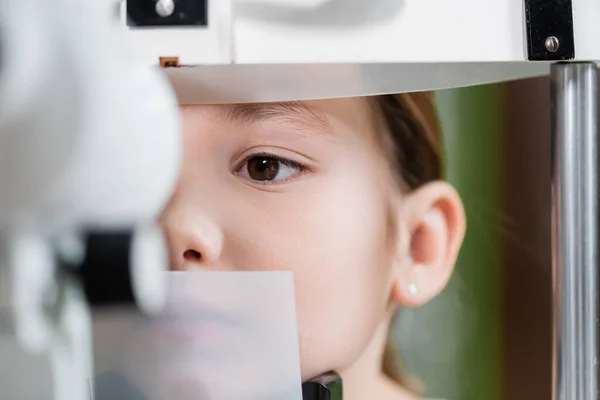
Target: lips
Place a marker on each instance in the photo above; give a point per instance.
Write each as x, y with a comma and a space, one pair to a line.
182, 331
188, 322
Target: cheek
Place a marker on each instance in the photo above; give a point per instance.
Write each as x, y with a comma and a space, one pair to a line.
343, 286
333, 237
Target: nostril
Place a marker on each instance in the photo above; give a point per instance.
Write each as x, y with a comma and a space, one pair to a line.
191, 255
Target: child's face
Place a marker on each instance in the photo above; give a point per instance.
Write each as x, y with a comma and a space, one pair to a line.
296, 187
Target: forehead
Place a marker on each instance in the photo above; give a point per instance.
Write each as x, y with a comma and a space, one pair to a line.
329, 114
354, 112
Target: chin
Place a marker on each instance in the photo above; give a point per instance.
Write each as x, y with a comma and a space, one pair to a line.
309, 373
313, 371
321, 360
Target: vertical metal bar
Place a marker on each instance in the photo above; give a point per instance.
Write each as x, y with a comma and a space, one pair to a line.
589, 97
574, 230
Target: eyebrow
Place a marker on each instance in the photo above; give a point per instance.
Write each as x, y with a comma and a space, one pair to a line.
296, 114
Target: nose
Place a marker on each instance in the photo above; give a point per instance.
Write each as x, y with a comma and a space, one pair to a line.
195, 241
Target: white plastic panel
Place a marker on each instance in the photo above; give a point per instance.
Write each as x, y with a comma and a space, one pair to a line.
586, 29
284, 82
223, 335
358, 31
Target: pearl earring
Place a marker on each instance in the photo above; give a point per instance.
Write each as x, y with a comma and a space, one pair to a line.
412, 289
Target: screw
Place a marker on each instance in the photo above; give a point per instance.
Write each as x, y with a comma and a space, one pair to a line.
552, 44
165, 8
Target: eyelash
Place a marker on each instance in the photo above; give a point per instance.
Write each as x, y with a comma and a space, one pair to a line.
287, 162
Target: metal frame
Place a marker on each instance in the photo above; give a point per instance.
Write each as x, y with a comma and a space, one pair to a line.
575, 234
549, 28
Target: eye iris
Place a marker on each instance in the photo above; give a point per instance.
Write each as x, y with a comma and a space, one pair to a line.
263, 168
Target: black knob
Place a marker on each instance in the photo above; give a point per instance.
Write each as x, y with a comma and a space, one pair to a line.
104, 272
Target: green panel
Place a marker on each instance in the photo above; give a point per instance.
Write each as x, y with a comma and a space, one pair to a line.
453, 343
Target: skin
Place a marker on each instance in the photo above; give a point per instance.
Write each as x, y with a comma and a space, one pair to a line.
354, 241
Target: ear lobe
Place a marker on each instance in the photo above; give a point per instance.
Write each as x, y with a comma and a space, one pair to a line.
435, 222
409, 290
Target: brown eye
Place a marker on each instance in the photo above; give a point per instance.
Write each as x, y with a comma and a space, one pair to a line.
266, 168
263, 168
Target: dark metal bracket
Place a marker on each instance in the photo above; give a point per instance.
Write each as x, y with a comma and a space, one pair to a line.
324, 387
190, 13
549, 30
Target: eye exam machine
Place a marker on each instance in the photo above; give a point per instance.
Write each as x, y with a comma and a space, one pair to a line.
83, 83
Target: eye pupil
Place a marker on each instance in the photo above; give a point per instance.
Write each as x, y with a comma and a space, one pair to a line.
263, 168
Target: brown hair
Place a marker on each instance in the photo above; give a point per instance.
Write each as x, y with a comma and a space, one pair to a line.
413, 142
414, 149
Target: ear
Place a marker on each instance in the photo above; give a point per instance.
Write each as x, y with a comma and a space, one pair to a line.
432, 231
